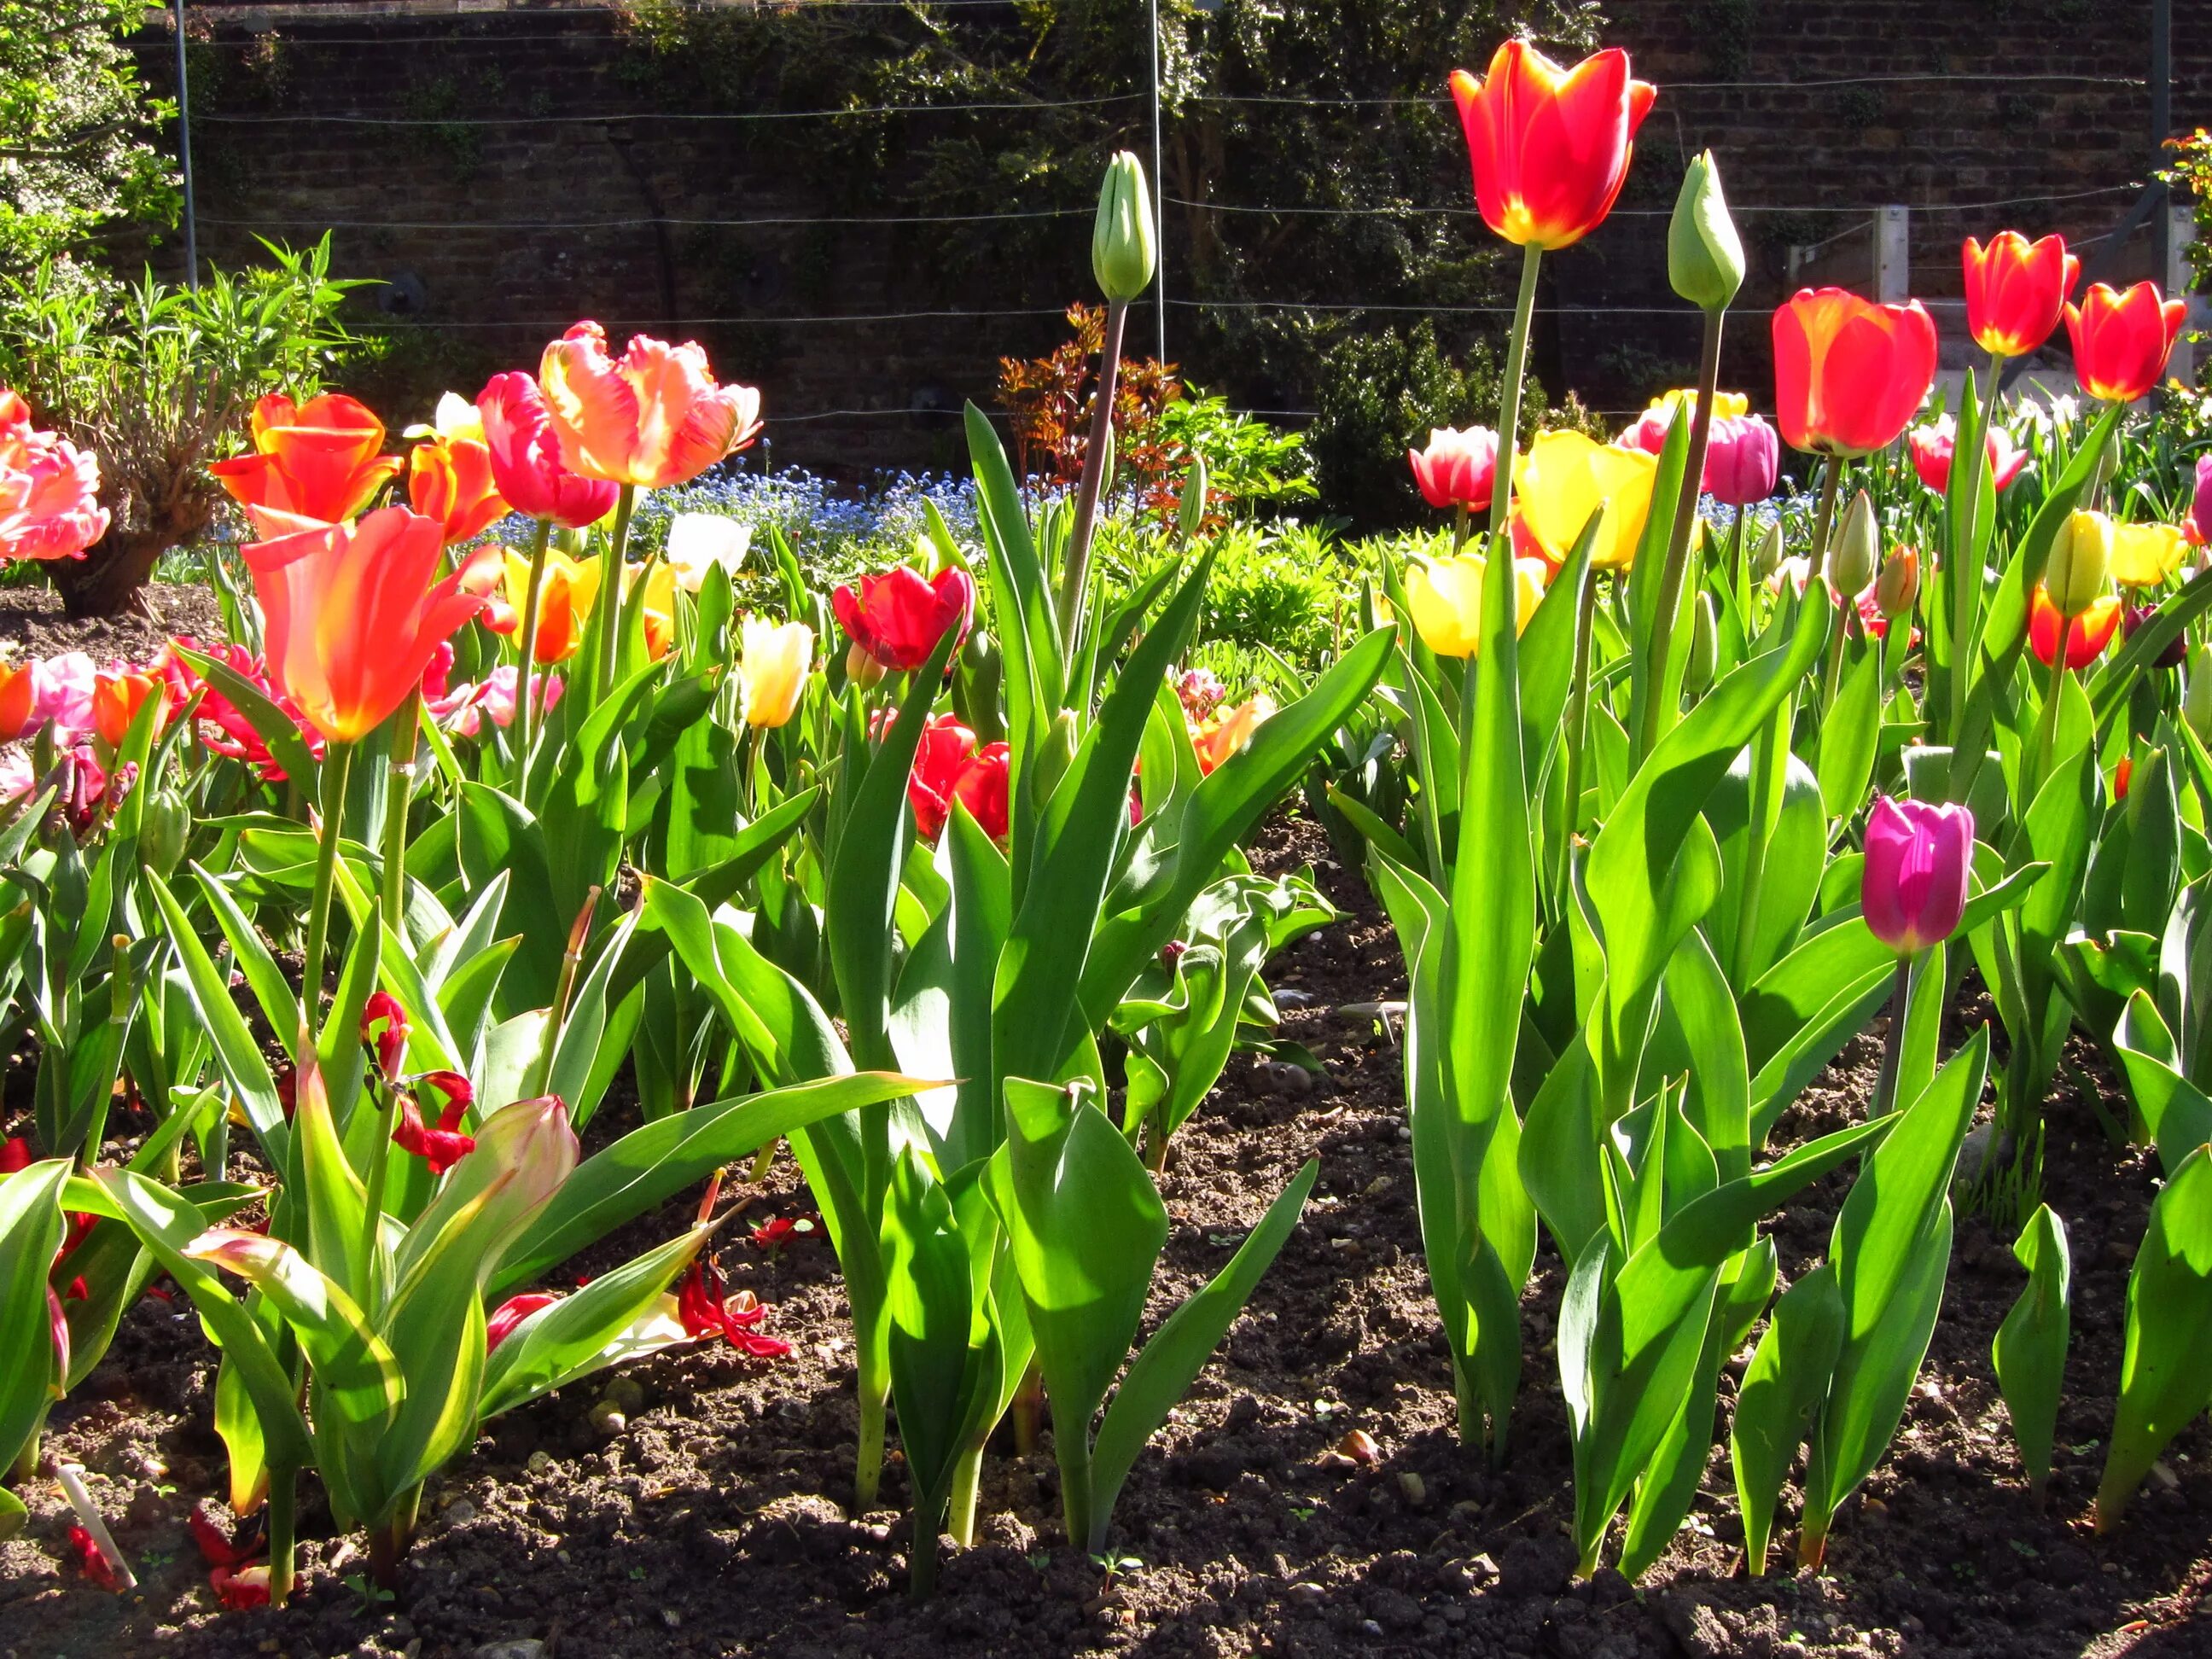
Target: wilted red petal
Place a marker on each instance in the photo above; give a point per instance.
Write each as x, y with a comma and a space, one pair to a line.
247, 1587
85, 1553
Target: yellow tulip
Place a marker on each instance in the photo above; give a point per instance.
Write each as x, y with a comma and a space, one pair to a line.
1566, 477
1445, 596
2080, 558
774, 659
1727, 405
2145, 555
565, 597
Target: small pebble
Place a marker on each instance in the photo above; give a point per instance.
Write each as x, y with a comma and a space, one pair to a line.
607, 1417
1360, 1446
460, 1512
628, 1395
1305, 1595
539, 1462
1415, 1489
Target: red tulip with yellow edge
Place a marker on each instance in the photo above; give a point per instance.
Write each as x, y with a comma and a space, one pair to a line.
314, 463
355, 612
1849, 373
2086, 636
2016, 290
1549, 147
2121, 341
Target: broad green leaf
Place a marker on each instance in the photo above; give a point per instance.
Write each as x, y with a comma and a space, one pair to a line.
2165, 1384
2030, 1350
1782, 1389
618, 1316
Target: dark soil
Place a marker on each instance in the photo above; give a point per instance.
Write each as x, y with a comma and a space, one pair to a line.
712, 1525
30, 619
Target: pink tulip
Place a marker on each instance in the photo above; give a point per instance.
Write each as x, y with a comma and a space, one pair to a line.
2200, 507
1913, 888
49, 490
63, 685
526, 457
1458, 469
1743, 459
1931, 454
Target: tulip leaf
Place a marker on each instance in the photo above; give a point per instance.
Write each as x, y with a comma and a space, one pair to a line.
1546, 654
496, 835
1160, 1376
31, 1230
1021, 597
2030, 1350
616, 1317
2165, 1384
279, 1003
930, 1304
236, 1051
1782, 1389
1848, 734
2109, 687
2178, 1112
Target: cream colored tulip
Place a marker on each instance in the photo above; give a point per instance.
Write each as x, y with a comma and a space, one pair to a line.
774, 659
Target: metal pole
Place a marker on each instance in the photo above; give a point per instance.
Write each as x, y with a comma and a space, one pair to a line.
185, 151
1159, 191
2161, 125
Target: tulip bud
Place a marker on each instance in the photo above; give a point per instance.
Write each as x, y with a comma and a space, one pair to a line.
168, 824
1858, 546
2081, 554
2197, 697
1054, 756
861, 669
1705, 648
1704, 256
1899, 585
1122, 256
1766, 557
1190, 512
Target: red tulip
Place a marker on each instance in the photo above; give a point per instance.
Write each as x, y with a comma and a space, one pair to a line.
1912, 887
511, 1313
650, 417
526, 457
898, 617
1458, 468
981, 788
705, 1309
242, 739
2123, 774
384, 1026
49, 490
15, 1155
945, 749
445, 1145
2087, 635
2122, 341
1549, 147
2015, 290
354, 614
314, 463
91, 1560
1849, 373
1931, 454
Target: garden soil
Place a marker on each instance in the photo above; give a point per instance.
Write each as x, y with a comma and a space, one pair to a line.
711, 1522
32, 621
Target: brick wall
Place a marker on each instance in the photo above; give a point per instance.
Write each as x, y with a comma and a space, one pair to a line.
2012, 99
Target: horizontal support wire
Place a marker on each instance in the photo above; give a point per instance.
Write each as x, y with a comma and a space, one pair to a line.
613, 116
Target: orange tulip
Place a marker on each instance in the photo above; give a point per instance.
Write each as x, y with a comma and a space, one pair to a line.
449, 475
1848, 374
2016, 290
2122, 341
117, 694
2086, 636
1550, 146
650, 417
566, 592
19, 695
313, 463
354, 616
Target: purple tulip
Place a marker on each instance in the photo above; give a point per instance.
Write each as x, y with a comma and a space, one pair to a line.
1914, 885
2200, 508
1743, 456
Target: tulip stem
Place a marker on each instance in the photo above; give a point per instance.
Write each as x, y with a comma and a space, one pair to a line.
2047, 728
337, 762
1965, 581
610, 596
1577, 734
1832, 680
1508, 413
1659, 708
533, 596
1075, 570
1893, 1047
1824, 521
399, 789
283, 1505
1459, 528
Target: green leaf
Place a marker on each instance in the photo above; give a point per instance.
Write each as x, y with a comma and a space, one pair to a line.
930, 1304
1782, 1386
2030, 1350
614, 1318
1160, 1376
1848, 735
2177, 1112
287, 747
2165, 1384
235, 1050
31, 1230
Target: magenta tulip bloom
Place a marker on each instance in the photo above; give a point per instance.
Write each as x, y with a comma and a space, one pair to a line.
2200, 505
1913, 888
526, 457
1743, 457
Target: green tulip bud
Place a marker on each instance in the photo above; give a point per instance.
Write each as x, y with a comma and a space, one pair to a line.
1053, 756
167, 827
1122, 256
2196, 698
1857, 549
1191, 510
2081, 554
1704, 256
1899, 585
1766, 557
1704, 647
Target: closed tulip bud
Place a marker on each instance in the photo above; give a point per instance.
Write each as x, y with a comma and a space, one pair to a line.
1899, 585
1190, 512
1054, 756
1766, 557
2196, 698
1858, 547
863, 669
2081, 554
1704, 256
1121, 256
167, 826
1705, 648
